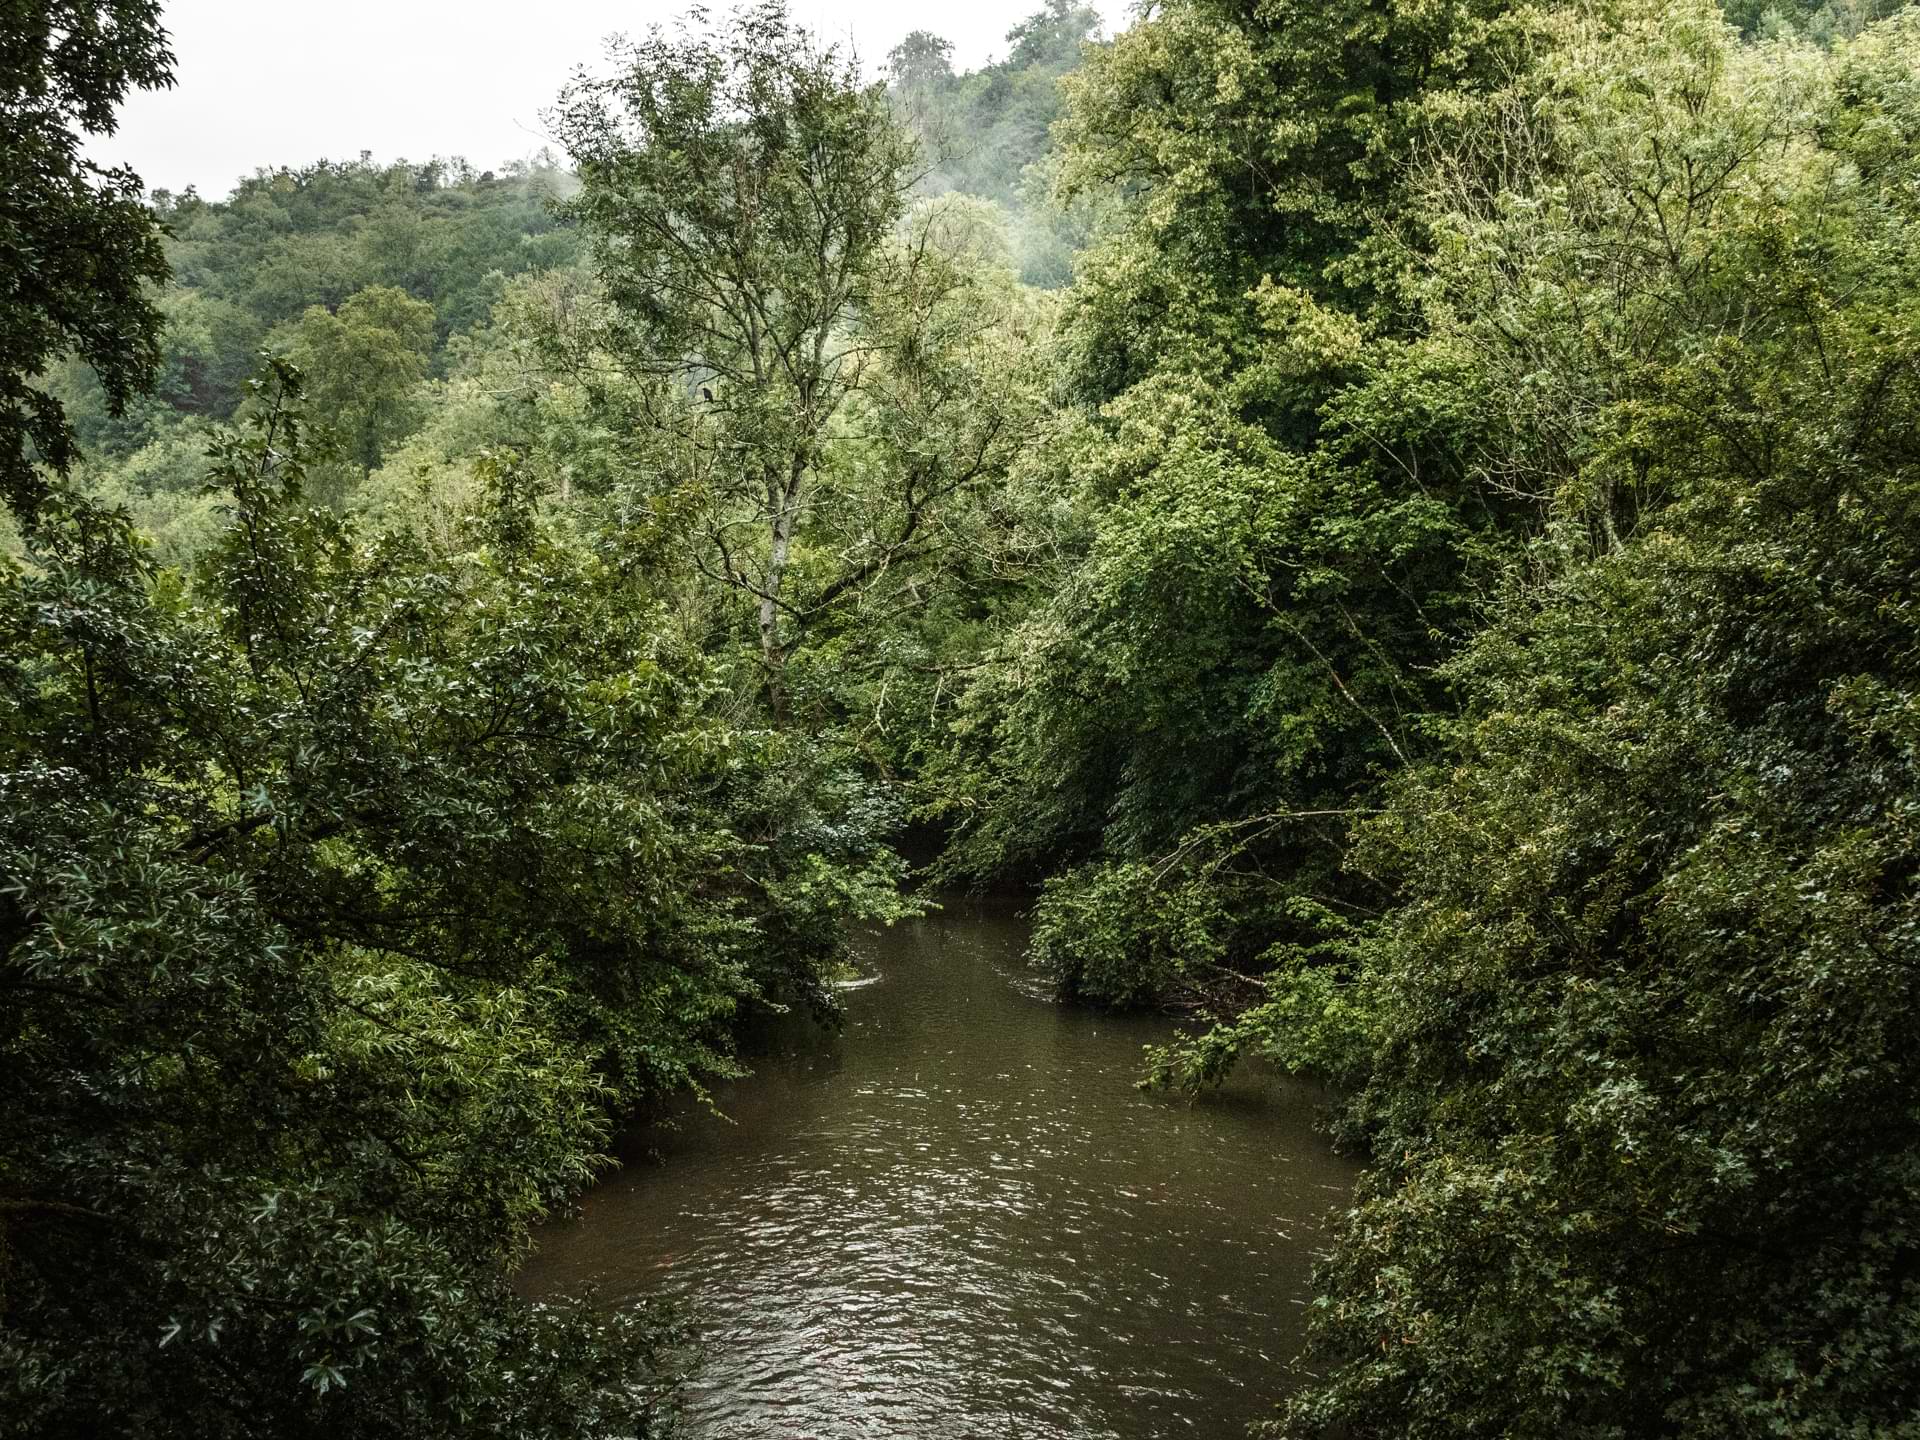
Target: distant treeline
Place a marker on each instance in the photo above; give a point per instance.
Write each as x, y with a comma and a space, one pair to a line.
1398, 520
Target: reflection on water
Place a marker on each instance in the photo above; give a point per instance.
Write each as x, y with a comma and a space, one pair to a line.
958, 1219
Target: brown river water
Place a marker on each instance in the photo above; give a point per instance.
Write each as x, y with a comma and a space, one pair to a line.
958, 1219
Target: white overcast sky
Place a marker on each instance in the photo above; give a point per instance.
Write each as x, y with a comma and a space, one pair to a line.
272, 82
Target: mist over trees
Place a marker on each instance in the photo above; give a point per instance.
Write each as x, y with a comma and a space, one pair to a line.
1396, 520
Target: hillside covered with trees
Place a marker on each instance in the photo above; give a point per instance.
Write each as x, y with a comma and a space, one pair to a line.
1395, 522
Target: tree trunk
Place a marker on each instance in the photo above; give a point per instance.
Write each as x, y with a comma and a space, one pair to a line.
773, 649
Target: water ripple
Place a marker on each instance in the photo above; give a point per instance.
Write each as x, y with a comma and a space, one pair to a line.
969, 1224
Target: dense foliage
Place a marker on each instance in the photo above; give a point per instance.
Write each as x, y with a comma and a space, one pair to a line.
353, 880
1280, 541
1431, 598
77, 248
988, 132
1481, 673
315, 263
289, 1070
1639, 1088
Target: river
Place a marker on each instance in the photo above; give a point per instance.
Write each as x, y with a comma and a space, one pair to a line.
957, 1220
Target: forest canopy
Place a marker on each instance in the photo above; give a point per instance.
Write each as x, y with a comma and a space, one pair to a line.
1397, 521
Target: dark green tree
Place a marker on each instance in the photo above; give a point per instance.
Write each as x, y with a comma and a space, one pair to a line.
921, 63
349, 888
270, 1005
1642, 1096
78, 249
1282, 539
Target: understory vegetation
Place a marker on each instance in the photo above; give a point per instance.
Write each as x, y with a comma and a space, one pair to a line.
1398, 520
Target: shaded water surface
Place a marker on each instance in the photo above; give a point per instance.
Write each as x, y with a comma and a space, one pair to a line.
958, 1219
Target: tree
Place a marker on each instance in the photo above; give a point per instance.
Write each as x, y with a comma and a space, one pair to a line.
921, 63
1281, 544
348, 888
77, 248
1051, 37
363, 363
741, 190
1640, 1088
1254, 143
987, 132
264, 992
1822, 20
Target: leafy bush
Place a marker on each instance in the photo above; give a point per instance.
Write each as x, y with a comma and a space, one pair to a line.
1642, 1100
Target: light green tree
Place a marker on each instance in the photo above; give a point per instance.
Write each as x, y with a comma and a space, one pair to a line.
365, 361
743, 189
